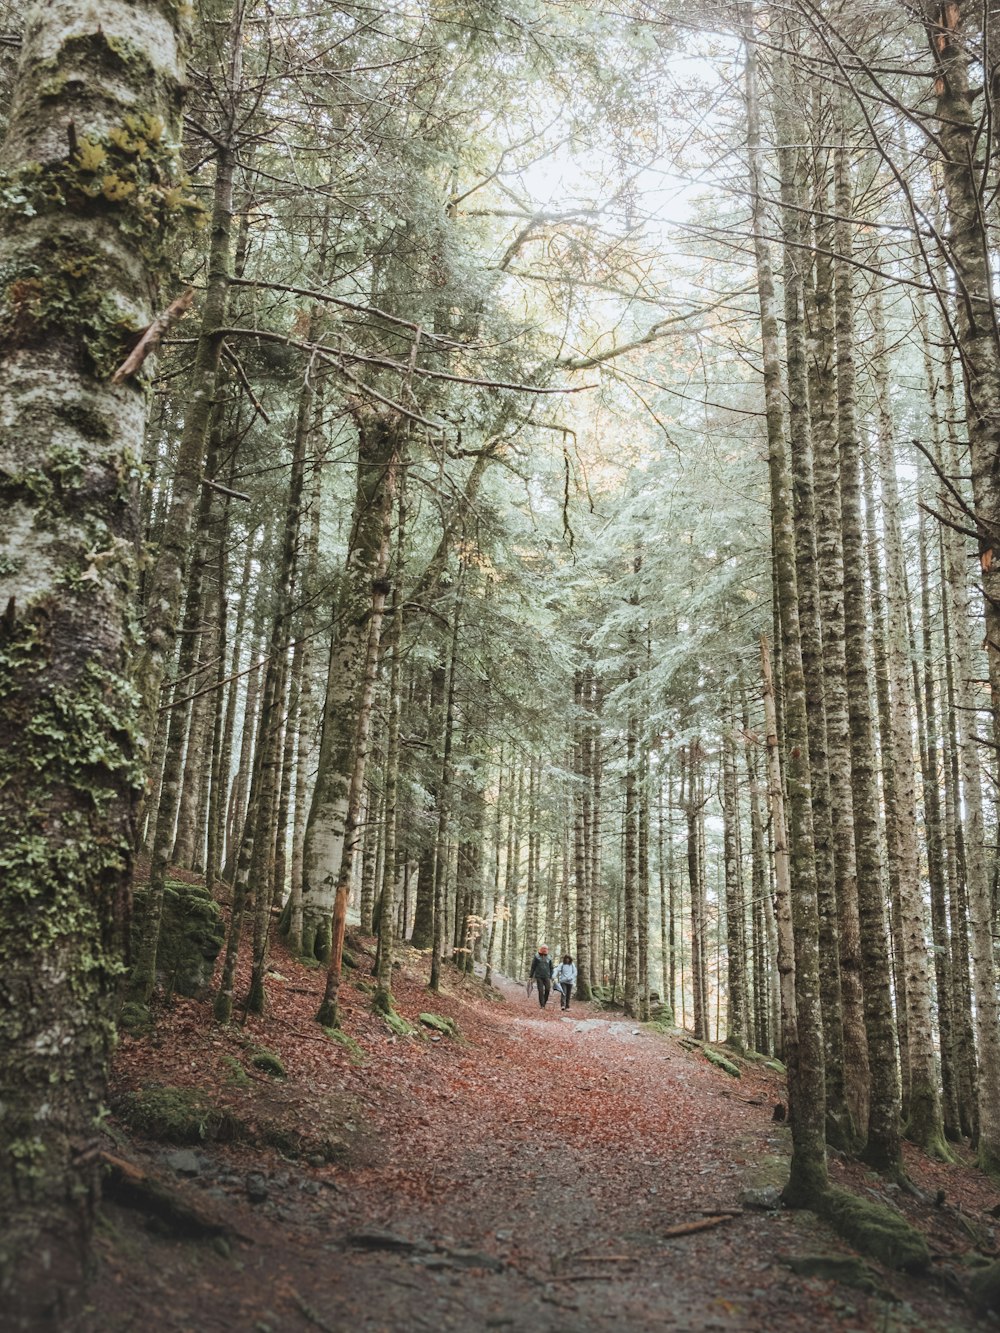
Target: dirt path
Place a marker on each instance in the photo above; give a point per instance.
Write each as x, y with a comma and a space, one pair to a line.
526, 1179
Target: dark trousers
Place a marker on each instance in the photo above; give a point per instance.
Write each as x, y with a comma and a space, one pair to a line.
566, 990
544, 985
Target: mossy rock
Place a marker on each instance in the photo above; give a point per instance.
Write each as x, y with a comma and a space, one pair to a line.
173, 1115
349, 1044
447, 1026
235, 1071
662, 1015
398, 1024
775, 1064
719, 1060
875, 1230
268, 1063
191, 935
135, 1018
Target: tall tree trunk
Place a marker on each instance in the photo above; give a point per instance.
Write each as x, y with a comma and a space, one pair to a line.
736, 1026
925, 1125
800, 452
630, 871
70, 447
970, 256
585, 961
378, 442
883, 1146
387, 429
390, 869
163, 596
887, 762
445, 798
803, 1043
830, 564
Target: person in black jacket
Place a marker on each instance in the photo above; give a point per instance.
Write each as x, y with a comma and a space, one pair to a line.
541, 974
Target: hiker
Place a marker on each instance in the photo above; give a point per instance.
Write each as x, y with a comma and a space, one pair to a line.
541, 974
565, 979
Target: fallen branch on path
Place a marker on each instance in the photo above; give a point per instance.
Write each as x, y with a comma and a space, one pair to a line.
605, 1259
584, 1277
686, 1228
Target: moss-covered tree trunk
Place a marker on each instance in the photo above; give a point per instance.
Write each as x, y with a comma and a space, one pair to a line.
79, 265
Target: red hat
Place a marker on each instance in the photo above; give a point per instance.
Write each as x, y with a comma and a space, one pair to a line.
543, 948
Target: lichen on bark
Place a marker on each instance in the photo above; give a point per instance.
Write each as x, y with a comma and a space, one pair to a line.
78, 275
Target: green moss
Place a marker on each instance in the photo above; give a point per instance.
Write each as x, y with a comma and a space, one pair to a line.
349, 1044
398, 1024
63, 866
135, 1018
130, 177
235, 1071
132, 172
719, 1060
191, 936
269, 1063
173, 1115
445, 1025
875, 1230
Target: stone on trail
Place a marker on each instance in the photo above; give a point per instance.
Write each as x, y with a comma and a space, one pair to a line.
184, 1162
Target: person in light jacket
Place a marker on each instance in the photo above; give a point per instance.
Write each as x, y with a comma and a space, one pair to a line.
565, 979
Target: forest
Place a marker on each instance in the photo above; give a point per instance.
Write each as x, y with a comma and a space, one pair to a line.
476, 475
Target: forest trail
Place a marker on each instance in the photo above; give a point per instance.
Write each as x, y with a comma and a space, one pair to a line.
524, 1176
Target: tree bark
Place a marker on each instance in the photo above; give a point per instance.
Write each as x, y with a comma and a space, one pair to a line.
79, 280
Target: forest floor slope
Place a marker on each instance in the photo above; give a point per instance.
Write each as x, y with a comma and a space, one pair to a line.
528, 1173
